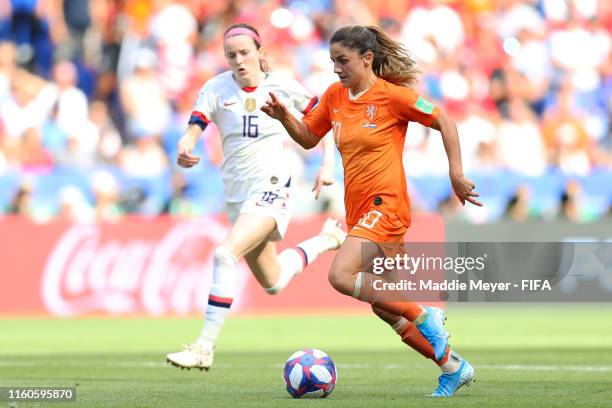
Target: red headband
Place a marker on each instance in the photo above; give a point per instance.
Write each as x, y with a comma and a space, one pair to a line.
242, 31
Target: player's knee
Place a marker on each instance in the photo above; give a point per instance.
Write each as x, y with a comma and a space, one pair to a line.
333, 279
224, 256
338, 281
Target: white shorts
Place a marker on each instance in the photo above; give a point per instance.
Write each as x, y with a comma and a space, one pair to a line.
275, 204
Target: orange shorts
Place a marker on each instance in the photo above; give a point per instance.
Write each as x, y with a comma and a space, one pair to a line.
379, 225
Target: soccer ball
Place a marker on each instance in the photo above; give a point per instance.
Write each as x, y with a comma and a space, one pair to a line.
310, 373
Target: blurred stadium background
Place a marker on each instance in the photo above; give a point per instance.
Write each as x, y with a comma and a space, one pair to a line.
95, 94
96, 218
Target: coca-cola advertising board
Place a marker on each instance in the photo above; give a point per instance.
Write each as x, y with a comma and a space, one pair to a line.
160, 266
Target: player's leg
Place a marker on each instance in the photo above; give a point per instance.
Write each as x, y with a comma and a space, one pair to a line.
409, 318
263, 262
247, 233
407, 331
414, 323
273, 271
456, 371
250, 236
347, 277
411, 336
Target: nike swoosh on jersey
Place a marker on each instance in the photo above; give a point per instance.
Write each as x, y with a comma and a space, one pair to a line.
336, 110
229, 103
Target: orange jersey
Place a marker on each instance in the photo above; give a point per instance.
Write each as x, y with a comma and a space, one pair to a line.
369, 132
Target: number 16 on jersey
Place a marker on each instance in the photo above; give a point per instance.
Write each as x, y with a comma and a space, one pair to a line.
249, 126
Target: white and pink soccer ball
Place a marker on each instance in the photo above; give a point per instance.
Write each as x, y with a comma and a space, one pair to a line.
310, 373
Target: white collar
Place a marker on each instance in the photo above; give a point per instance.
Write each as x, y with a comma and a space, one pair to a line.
356, 96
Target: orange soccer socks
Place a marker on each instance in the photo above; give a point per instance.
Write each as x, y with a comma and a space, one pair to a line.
412, 337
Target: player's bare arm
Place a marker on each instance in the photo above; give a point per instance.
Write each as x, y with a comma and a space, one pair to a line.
325, 176
186, 145
462, 186
296, 128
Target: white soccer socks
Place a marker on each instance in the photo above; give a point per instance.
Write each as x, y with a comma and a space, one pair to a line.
221, 295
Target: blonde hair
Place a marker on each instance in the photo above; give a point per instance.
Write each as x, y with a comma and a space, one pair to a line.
392, 61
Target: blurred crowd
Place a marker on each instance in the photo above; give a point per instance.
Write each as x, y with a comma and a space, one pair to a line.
94, 95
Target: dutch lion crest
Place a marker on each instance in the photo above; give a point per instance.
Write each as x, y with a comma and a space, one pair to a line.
371, 112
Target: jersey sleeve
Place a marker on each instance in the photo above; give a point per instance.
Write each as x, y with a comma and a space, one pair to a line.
318, 118
204, 108
407, 105
302, 100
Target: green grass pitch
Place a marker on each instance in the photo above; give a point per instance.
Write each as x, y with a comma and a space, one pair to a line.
525, 356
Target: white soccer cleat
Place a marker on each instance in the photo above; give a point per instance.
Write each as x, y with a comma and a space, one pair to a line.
333, 229
193, 356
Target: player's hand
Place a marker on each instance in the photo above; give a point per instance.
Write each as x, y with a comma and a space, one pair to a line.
275, 108
325, 177
464, 189
185, 146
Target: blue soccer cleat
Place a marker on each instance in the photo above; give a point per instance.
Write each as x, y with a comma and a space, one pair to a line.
433, 330
448, 384
438, 313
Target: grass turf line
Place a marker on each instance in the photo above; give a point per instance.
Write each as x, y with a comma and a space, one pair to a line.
120, 362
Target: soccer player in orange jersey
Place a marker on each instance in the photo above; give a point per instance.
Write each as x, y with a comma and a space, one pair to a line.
368, 111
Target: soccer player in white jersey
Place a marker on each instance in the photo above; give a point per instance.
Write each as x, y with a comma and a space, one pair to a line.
256, 179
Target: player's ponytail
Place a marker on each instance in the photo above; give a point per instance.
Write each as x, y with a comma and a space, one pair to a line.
249, 30
392, 61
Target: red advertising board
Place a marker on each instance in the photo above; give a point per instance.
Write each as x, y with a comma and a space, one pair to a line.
160, 266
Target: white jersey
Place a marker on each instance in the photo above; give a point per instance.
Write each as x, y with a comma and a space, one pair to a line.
254, 158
